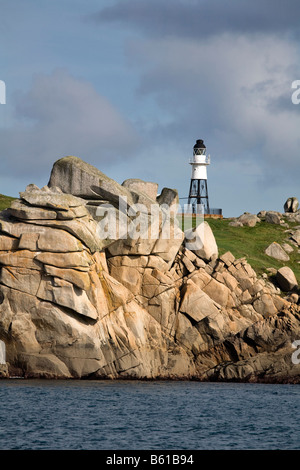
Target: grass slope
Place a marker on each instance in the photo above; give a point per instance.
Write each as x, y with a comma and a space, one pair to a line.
5, 201
251, 242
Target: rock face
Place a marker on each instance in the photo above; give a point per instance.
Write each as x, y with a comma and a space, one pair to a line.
76, 304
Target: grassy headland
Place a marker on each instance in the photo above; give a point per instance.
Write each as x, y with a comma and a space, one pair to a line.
251, 242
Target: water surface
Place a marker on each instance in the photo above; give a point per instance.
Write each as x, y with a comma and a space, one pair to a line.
161, 415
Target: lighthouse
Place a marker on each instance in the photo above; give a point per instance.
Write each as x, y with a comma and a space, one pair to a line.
198, 195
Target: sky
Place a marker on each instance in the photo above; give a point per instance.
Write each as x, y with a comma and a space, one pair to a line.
130, 85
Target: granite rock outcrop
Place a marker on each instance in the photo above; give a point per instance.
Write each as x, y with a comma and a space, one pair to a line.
77, 304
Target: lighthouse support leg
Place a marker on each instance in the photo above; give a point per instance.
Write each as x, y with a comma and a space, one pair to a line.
198, 195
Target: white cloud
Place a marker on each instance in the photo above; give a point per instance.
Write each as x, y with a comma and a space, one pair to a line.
228, 90
61, 116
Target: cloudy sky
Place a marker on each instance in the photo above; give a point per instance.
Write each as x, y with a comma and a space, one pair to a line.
129, 85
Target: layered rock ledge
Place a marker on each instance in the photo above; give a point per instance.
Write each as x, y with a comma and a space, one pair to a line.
75, 304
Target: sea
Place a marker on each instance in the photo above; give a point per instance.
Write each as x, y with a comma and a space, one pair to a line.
147, 415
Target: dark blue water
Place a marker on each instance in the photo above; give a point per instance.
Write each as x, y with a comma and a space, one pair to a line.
104, 415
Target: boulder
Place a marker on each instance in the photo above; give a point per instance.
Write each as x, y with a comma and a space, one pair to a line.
274, 250
169, 197
201, 241
74, 176
286, 279
288, 248
196, 303
291, 205
273, 217
248, 219
218, 292
296, 237
235, 223
139, 186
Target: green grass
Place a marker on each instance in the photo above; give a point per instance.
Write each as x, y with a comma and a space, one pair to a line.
251, 242
5, 201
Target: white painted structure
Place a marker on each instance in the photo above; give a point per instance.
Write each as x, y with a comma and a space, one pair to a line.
199, 163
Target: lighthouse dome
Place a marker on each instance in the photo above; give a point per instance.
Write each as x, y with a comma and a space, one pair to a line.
199, 144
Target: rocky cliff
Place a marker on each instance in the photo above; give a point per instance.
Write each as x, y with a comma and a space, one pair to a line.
78, 304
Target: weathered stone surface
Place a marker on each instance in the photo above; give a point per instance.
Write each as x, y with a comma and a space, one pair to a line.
17, 229
272, 217
296, 237
286, 278
53, 200
64, 293
129, 277
218, 292
227, 258
288, 248
291, 205
64, 260
235, 223
201, 241
85, 229
21, 210
21, 259
276, 251
22, 279
139, 186
169, 197
53, 240
248, 219
28, 241
58, 241
74, 305
8, 243
195, 303
80, 279
163, 242
74, 176
169, 241
265, 305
